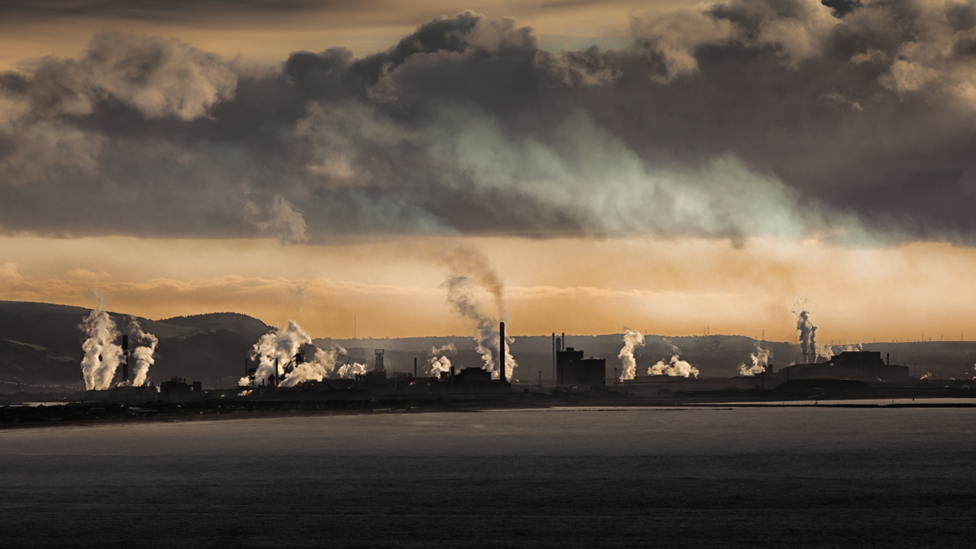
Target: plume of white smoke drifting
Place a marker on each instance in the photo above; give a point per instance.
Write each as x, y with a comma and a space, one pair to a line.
825, 352
632, 339
142, 354
925, 376
281, 343
102, 355
460, 295
675, 368
316, 369
437, 365
349, 371
760, 361
852, 347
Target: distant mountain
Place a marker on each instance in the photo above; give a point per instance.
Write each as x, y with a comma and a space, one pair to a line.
40, 344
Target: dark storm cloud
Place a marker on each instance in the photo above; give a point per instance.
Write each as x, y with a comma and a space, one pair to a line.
752, 117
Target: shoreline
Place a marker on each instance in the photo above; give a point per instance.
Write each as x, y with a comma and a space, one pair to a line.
89, 414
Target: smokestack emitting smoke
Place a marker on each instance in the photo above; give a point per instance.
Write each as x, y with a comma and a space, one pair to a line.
102, 355
142, 354
675, 367
437, 365
632, 339
317, 369
470, 267
760, 362
282, 345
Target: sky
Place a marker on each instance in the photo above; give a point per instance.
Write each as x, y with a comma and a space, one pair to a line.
669, 166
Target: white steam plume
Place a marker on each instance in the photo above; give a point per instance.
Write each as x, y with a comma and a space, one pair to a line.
825, 352
460, 294
675, 368
283, 344
925, 376
316, 369
349, 371
142, 354
632, 339
760, 362
437, 365
102, 355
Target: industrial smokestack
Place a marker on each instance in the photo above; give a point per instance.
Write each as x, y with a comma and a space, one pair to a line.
415, 367
562, 346
554, 355
501, 351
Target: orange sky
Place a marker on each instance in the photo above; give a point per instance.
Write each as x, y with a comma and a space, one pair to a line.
664, 286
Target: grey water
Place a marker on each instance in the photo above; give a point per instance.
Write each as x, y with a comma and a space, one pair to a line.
670, 477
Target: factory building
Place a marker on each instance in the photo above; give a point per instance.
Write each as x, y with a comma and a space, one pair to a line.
575, 370
178, 390
865, 366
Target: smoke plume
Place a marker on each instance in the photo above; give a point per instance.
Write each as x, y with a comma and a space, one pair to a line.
282, 344
925, 376
142, 354
437, 365
675, 368
808, 336
825, 352
102, 355
316, 369
351, 370
632, 339
760, 362
469, 269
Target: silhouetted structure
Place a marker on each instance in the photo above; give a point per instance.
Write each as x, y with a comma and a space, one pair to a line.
850, 365
178, 390
573, 370
378, 375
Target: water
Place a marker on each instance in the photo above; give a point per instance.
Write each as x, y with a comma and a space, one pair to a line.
674, 477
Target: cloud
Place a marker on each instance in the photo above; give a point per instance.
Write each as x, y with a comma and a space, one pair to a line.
10, 271
783, 118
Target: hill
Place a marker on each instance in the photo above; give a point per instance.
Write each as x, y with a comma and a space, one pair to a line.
40, 345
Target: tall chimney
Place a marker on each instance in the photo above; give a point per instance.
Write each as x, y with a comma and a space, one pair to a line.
562, 346
501, 351
415, 367
554, 355
888, 359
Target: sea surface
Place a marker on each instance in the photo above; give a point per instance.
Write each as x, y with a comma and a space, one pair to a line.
694, 477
